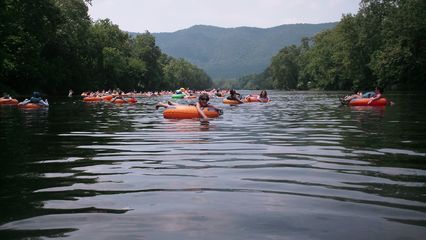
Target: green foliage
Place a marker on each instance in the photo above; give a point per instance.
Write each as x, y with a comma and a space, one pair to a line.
25, 30
53, 46
384, 44
401, 60
285, 69
180, 73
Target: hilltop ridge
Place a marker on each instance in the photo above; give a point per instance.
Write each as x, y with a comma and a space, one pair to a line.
227, 53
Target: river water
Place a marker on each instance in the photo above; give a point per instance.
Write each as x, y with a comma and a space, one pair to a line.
299, 167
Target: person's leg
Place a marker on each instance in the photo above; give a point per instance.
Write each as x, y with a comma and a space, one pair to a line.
160, 104
26, 101
44, 103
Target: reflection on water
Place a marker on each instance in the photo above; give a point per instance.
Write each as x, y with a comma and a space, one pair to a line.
299, 167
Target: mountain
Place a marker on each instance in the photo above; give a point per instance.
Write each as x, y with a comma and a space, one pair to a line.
226, 53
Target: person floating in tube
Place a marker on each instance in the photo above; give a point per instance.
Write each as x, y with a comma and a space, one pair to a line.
203, 102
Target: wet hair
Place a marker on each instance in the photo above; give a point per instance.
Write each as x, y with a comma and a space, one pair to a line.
263, 93
380, 89
204, 96
232, 91
36, 94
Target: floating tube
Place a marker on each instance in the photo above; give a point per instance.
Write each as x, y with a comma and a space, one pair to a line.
255, 99
188, 112
107, 98
119, 101
364, 102
92, 99
232, 102
132, 100
8, 101
178, 95
31, 106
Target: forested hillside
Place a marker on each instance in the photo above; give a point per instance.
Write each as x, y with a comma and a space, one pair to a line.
53, 46
233, 52
383, 44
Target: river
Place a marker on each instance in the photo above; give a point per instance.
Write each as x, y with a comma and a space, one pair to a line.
299, 167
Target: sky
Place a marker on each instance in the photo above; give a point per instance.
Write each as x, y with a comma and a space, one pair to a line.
173, 15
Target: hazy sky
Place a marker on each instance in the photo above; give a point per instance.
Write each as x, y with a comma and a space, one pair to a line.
173, 15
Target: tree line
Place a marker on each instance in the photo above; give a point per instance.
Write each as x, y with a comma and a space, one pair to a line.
383, 44
53, 46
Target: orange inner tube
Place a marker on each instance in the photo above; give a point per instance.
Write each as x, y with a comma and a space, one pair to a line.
188, 112
107, 98
92, 99
132, 100
31, 106
8, 101
119, 101
255, 99
227, 101
364, 102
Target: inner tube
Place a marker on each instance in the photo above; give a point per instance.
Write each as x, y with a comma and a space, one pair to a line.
232, 102
181, 95
107, 97
31, 106
8, 101
188, 112
92, 99
132, 100
364, 102
119, 101
256, 99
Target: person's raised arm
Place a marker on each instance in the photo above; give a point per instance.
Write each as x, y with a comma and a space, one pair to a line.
200, 111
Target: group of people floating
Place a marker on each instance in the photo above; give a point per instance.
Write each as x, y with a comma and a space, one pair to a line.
34, 101
369, 98
203, 101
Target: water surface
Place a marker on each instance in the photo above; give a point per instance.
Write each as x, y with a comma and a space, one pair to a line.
299, 167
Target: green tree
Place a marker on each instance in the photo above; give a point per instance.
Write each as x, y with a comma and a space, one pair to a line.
401, 61
107, 43
26, 28
144, 49
285, 69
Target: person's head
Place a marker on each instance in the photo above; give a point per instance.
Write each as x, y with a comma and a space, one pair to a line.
379, 90
232, 91
178, 91
36, 94
203, 99
263, 93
